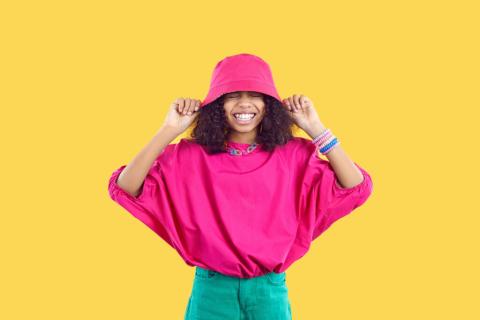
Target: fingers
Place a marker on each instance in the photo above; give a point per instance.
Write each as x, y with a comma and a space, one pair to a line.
287, 104
295, 103
194, 106
187, 106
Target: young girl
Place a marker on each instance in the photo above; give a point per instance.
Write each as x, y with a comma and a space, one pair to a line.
242, 199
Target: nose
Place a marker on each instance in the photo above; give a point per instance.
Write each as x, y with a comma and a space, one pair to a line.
244, 99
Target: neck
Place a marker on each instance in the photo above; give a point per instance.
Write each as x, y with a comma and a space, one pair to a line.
242, 137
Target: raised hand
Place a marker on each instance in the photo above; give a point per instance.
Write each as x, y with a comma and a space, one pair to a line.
302, 111
182, 113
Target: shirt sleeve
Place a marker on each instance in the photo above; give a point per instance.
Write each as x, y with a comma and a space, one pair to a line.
151, 205
324, 200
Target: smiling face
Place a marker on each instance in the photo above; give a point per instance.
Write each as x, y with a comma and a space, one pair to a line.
244, 111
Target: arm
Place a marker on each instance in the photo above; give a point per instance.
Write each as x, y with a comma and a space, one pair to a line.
345, 170
132, 177
305, 116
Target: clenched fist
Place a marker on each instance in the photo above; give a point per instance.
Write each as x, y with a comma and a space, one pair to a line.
182, 113
302, 111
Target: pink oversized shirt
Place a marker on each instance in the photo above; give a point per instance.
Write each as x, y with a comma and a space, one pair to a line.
242, 216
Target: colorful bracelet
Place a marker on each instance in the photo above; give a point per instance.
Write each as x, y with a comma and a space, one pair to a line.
325, 141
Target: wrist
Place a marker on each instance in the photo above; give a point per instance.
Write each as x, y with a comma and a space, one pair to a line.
315, 130
170, 131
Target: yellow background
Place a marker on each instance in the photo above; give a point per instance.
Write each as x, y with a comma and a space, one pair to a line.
86, 84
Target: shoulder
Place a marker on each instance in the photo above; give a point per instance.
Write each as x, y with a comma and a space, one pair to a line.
298, 150
188, 145
187, 142
300, 145
184, 147
301, 141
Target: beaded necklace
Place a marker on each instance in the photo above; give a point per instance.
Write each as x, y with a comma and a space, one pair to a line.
239, 152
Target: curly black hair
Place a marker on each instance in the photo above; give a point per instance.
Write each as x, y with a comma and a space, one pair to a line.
211, 127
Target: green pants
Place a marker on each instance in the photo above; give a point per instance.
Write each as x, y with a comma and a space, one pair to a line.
218, 296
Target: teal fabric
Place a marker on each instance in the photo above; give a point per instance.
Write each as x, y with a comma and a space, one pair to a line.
218, 296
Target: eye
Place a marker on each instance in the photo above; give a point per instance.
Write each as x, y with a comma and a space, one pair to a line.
236, 95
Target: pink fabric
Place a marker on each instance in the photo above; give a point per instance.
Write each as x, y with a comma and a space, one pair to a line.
241, 72
245, 215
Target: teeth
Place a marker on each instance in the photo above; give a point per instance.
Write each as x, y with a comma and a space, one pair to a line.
244, 116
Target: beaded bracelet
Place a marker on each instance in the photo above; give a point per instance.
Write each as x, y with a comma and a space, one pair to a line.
325, 141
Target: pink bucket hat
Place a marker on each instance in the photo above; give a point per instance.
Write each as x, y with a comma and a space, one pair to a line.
241, 72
